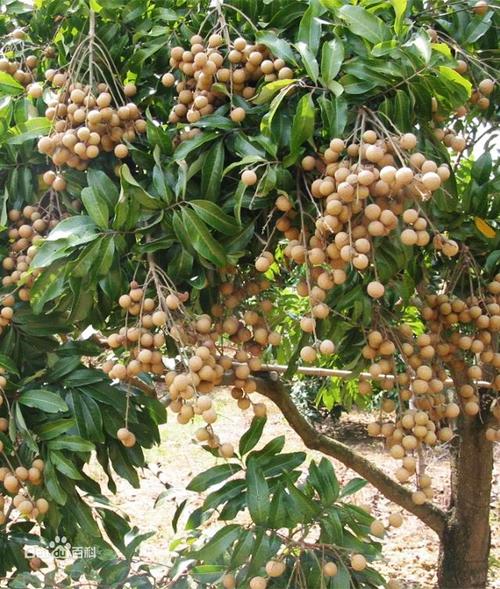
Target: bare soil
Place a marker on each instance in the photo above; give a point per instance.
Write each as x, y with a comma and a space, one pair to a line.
410, 552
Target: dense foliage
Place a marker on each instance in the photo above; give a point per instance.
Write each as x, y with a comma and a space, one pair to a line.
230, 185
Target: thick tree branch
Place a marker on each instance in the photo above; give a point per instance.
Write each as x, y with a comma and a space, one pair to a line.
432, 516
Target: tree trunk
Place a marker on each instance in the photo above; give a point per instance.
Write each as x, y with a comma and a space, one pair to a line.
465, 542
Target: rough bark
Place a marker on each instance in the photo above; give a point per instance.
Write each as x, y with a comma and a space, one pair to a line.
431, 515
465, 540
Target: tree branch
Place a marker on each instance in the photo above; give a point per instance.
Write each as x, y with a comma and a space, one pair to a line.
429, 514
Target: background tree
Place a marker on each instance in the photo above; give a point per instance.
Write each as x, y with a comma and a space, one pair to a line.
234, 185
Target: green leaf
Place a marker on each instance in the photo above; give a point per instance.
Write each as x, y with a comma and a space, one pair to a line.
323, 478
353, 486
186, 147
211, 174
477, 27
103, 186
384, 48
212, 476
203, 242
481, 169
131, 187
219, 543
400, 10
31, 129
310, 28
364, 24
268, 91
106, 254
278, 46
48, 286
215, 217
309, 60
44, 400
334, 114
303, 123
258, 500
8, 365
450, 76
88, 416
302, 509
64, 465
87, 260
9, 85
74, 443
252, 436
52, 484
332, 56
96, 207
76, 230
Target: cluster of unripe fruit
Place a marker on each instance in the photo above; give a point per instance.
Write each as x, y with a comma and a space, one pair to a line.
87, 122
15, 484
213, 69
22, 71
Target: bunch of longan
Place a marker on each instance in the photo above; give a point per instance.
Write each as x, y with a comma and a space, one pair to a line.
26, 230
462, 332
362, 192
87, 122
16, 485
277, 568
480, 97
212, 69
143, 341
22, 71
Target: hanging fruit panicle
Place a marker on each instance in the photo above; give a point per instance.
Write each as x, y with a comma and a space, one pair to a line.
217, 68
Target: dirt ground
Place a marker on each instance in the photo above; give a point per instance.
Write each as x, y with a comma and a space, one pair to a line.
410, 552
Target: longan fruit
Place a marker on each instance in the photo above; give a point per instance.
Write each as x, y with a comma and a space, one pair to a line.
377, 528
228, 580
395, 520
258, 583
481, 7
486, 86
375, 289
275, 568
308, 163
249, 178
238, 115
120, 151
358, 562
329, 569
130, 89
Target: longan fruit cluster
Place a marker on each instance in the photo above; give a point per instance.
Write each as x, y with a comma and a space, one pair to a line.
277, 568
462, 332
16, 485
238, 68
201, 365
143, 341
86, 124
480, 96
363, 194
27, 229
22, 71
